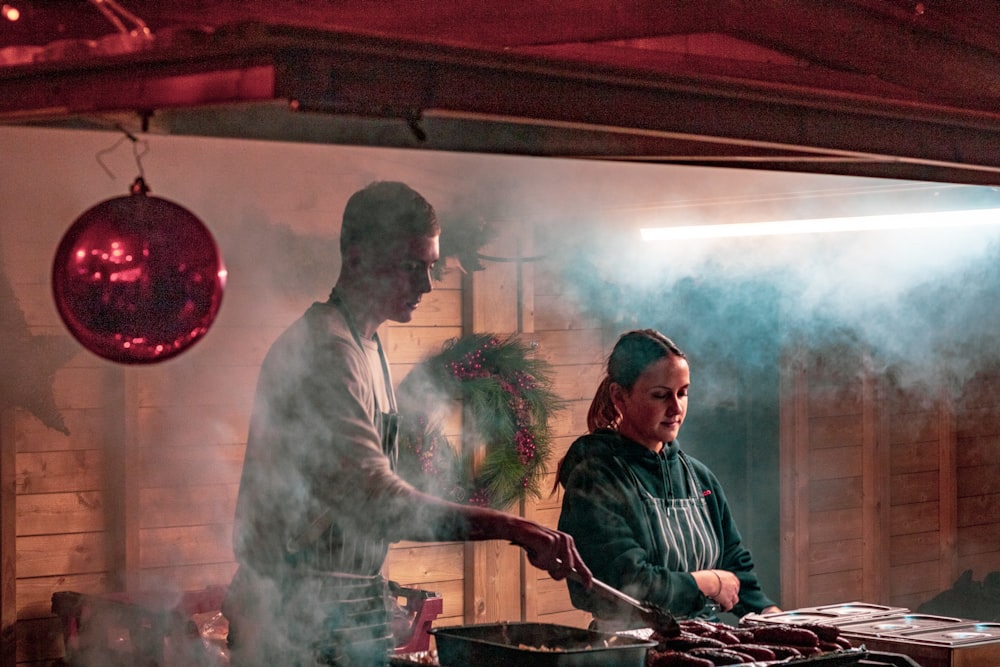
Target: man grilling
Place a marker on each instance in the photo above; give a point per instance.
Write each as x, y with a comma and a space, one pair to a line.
319, 500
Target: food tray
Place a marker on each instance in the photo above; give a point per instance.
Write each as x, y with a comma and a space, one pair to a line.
831, 614
888, 626
536, 645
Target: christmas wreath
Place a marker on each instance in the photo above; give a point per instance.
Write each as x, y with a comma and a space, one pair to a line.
506, 401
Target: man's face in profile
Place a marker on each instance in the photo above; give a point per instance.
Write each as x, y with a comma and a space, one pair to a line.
398, 275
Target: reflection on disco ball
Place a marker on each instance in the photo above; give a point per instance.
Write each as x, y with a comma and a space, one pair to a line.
138, 279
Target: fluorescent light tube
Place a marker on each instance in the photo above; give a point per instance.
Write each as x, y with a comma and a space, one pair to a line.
967, 218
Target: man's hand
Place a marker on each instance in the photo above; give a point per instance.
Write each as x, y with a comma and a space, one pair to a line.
552, 551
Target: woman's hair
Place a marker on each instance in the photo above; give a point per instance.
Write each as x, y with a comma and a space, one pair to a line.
634, 352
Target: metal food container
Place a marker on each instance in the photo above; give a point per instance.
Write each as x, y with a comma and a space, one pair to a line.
831, 614
536, 645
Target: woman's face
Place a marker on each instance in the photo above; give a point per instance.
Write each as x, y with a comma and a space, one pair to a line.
654, 409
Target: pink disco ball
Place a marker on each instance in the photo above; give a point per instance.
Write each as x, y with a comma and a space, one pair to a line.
138, 279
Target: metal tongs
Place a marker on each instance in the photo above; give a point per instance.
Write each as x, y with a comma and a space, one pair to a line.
661, 620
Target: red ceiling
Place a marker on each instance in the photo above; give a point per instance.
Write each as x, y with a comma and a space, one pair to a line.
872, 87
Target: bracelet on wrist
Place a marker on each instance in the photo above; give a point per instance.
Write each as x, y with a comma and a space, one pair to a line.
719, 579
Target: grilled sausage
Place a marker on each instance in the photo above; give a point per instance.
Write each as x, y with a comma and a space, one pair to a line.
721, 656
657, 658
784, 634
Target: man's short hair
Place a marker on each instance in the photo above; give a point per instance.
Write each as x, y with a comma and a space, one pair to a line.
384, 210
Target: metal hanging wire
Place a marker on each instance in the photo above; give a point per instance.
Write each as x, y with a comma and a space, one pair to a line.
136, 153
118, 16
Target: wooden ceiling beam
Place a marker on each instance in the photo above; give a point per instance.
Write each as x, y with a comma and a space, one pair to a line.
849, 36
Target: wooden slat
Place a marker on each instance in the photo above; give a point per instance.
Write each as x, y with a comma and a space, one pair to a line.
840, 556
416, 563
835, 462
8, 536
87, 430
187, 505
875, 467
576, 382
912, 457
554, 312
185, 384
834, 431
978, 539
974, 510
914, 578
948, 494
794, 479
185, 545
49, 472
978, 480
193, 426
914, 518
69, 553
978, 450
48, 513
574, 618
835, 494
410, 345
836, 587
834, 526
552, 596
562, 348
908, 427
918, 487
915, 548
440, 308
186, 577
181, 466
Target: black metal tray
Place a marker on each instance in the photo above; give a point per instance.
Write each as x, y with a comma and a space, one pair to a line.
536, 645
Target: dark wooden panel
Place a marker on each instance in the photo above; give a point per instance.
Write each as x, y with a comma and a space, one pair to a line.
835, 587
914, 548
834, 431
978, 450
913, 457
835, 494
835, 463
983, 538
840, 556
919, 487
914, 577
910, 427
975, 510
834, 525
978, 480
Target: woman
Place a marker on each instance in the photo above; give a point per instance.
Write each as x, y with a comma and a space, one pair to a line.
648, 519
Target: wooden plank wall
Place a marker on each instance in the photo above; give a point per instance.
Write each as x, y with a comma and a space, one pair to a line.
886, 492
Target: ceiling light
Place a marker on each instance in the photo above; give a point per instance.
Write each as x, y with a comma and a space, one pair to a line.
967, 218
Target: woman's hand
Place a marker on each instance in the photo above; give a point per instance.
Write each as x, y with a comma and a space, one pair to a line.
720, 585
